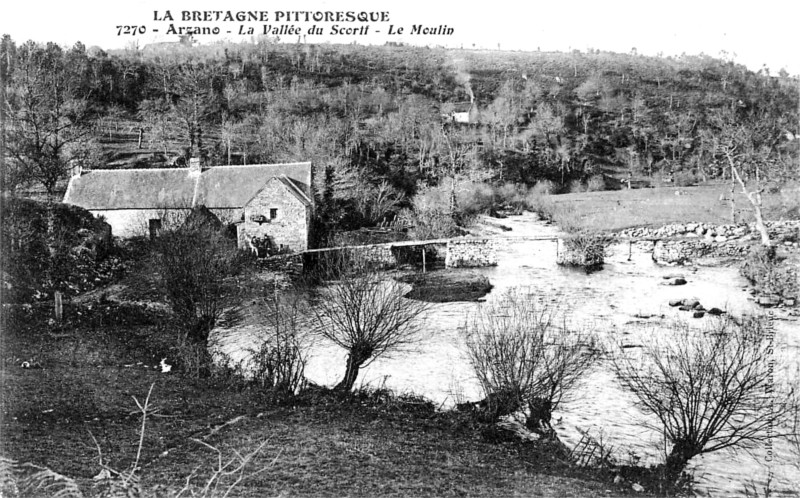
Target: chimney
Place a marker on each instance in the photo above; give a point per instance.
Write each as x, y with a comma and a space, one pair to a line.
194, 166
76, 169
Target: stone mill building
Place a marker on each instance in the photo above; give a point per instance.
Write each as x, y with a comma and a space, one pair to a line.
269, 203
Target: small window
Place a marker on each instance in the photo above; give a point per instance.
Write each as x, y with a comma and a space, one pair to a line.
273, 213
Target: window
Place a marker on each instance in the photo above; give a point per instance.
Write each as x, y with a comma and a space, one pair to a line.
273, 213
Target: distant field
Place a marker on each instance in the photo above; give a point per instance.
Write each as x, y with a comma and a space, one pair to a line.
620, 209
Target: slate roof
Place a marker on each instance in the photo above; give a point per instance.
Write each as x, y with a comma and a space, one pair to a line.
217, 187
295, 189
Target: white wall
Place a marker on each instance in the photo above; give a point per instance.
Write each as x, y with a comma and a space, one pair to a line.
126, 223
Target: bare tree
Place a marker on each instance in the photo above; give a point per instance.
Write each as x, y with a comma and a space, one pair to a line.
47, 112
526, 358
748, 146
365, 313
710, 390
196, 262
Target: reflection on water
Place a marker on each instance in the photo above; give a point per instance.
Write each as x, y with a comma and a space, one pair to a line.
605, 302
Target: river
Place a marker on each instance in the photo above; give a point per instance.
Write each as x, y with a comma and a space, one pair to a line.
604, 302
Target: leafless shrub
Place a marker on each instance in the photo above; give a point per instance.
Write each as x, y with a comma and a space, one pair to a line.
379, 201
710, 390
583, 249
26, 479
595, 183
118, 483
525, 359
228, 473
593, 451
576, 187
366, 313
195, 264
794, 433
279, 363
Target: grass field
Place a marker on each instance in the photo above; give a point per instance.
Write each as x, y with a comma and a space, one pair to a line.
614, 210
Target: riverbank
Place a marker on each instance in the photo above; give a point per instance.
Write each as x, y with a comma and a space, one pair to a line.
84, 382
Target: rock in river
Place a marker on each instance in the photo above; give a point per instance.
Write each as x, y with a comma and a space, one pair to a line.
768, 300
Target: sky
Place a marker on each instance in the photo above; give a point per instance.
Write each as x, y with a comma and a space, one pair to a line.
751, 33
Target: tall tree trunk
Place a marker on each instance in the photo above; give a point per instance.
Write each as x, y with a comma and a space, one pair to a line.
679, 457
755, 200
350, 374
539, 416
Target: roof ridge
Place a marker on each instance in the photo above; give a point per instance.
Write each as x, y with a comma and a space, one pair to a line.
106, 170
260, 164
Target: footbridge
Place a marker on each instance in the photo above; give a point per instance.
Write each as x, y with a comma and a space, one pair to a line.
456, 252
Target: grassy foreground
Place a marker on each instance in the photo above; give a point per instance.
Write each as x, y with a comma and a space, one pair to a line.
84, 376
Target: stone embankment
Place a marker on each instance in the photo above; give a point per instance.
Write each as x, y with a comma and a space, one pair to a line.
784, 232
471, 253
703, 243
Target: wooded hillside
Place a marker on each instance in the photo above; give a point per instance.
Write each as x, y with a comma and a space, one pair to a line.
380, 123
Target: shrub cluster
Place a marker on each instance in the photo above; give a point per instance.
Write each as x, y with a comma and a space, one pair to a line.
770, 275
51, 247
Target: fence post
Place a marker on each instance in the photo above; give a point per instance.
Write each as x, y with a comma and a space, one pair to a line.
58, 307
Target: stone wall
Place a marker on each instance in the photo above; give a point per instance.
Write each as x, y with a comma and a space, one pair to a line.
672, 251
783, 232
290, 226
703, 243
463, 253
228, 216
126, 223
377, 256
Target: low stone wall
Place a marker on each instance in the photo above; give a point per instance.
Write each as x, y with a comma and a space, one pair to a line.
684, 251
470, 253
379, 256
786, 233
703, 243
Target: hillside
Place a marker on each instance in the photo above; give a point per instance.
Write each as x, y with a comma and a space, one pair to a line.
399, 116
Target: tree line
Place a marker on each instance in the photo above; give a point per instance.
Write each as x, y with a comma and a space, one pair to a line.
378, 122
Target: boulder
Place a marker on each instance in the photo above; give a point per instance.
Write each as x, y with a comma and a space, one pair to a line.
675, 302
685, 308
715, 311
691, 303
675, 281
768, 300
698, 314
